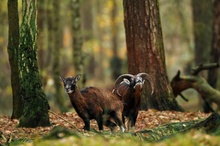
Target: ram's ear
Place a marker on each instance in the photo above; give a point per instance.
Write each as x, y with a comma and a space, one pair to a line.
62, 79
77, 78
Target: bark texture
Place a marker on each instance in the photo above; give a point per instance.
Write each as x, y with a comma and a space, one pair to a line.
77, 36
202, 26
145, 51
115, 62
215, 50
78, 58
13, 43
57, 41
207, 92
36, 106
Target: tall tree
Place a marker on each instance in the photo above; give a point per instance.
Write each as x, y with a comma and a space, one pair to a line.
215, 49
35, 112
202, 30
100, 32
13, 43
202, 26
77, 39
41, 21
57, 41
42, 41
145, 51
87, 19
49, 26
88, 32
116, 62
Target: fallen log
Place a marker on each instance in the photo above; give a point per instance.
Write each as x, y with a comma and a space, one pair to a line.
208, 93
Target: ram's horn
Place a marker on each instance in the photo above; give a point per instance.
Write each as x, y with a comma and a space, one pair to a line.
121, 78
148, 78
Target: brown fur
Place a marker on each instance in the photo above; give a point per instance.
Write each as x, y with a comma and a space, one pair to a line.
128, 88
94, 103
131, 98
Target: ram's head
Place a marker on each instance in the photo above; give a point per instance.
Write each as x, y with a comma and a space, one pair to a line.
132, 81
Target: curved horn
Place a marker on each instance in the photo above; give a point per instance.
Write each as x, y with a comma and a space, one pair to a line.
121, 77
148, 78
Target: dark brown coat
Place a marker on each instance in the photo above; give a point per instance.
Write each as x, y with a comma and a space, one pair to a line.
128, 89
94, 103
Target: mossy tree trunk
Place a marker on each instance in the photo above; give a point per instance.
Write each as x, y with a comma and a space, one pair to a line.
13, 43
77, 39
77, 36
145, 52
36, 106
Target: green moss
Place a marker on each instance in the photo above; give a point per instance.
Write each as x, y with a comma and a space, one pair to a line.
190, 138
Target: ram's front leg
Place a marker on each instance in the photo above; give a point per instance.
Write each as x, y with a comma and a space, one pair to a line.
87, 124
100, 123
131, 122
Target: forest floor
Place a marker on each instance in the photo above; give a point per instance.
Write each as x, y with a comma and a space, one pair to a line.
146, 119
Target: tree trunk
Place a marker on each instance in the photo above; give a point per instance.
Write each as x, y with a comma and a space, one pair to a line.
88, 32
57, 40
13, 43
202, 24
145, 51
77, 36
50, 45
99, 35
36, 106
116, 62
87, 19
77, 39
42, 40
215, 50
41, 19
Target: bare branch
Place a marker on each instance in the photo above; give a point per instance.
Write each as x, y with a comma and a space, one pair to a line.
64, 120
183, 97
201, 67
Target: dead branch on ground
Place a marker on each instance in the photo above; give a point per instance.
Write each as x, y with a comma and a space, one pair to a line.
181, 83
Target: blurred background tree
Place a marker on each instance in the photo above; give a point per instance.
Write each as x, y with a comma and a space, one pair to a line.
202, 30
56, 50
115, 61
102, 32
215, 46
